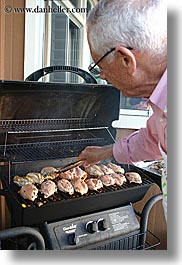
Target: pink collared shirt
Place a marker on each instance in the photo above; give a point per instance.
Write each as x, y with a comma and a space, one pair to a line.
143, 144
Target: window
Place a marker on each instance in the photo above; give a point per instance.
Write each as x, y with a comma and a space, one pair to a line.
60, 36
134, 106
61, 39
75, 2
134, 113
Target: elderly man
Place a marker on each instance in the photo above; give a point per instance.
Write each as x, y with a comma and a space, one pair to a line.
128, 42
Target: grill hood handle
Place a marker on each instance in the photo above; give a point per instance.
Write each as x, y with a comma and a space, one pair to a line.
35, 76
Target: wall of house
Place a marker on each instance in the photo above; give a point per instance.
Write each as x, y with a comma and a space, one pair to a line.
11, 60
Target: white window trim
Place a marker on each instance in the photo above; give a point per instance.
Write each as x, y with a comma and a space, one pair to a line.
132, 119
34, 38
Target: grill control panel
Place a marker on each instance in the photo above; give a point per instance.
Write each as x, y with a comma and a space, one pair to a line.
91, 229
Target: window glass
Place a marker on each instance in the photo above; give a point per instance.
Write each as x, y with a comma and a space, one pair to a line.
133, 103
75, 2
65, 47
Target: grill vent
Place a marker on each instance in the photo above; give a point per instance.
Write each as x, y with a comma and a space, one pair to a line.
128, 243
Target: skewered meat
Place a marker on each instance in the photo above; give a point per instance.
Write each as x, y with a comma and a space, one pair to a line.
133, 177
94, 170
65, 186
78, 173
29, 191
106, 169
36, 177
116, 168
107, 180
48, 188
48, 170
94, 184
79, 186
21, 181
119, 179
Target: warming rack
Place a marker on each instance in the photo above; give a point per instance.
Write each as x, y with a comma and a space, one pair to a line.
48, 125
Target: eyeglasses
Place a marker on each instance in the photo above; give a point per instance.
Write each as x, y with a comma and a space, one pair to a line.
92, 67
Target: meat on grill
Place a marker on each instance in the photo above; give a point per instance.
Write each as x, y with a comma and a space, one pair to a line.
107, 180
65, 186
116, 168
133, 177
79, 186
29, 191
94, 183
74, 173
48, 170
94, 170
66, 175
36, 177
21, 181
48, 188
106, 169
119, 179
78, 173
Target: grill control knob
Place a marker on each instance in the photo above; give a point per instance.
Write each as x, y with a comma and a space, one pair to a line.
103, 224
73, 239
92, 227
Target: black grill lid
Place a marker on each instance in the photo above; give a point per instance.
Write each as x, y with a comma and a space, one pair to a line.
48, 113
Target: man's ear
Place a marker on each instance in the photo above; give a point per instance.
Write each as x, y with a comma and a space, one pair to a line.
127, 58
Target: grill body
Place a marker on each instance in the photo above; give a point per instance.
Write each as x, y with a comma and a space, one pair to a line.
48, 124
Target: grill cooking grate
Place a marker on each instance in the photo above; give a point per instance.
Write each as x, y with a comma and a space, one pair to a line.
62, 196
48, 150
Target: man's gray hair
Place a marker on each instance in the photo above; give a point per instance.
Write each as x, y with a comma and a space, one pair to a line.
140, 24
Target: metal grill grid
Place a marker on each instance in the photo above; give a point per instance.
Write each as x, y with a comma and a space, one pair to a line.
62, 196
46, 125
47, 150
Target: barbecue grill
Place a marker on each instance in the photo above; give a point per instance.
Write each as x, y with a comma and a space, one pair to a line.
49, 124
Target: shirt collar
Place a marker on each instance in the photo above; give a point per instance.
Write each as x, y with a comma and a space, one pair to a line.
159, 95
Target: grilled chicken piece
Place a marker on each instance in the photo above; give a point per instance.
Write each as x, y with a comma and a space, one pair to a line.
119, 179
107, 180
36, 177
48, 170
94, 170
21, 181
79, 186
78, 173
94, 184
52, 176
29, 191
66, 175
116, 168
74, 173
48, 188
133, 177
106, 169
65, 186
